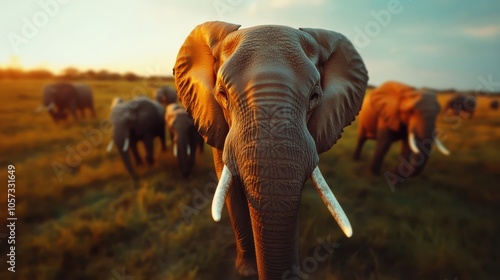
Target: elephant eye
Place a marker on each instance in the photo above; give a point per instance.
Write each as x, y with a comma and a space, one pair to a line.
222, 97
314, 97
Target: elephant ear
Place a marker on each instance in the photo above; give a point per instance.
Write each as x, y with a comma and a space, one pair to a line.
195, 77
343, 81
387, 101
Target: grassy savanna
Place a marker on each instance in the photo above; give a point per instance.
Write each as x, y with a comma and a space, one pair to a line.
95, 221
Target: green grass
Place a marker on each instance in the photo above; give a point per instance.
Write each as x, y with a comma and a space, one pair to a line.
440, 225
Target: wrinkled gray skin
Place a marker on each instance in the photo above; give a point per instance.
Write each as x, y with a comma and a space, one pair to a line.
184, 136
59, 98
165, 95
140, 119
269, 99
461, 103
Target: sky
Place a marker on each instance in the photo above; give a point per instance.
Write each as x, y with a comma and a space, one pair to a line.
438, 43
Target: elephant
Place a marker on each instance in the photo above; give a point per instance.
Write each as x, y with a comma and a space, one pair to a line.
62, 96
184, 136
395, 111
165, 95
269, 99
140, 119
494, 104
461, 102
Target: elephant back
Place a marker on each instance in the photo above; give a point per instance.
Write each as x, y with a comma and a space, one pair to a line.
62, 94
84, 95
386, 102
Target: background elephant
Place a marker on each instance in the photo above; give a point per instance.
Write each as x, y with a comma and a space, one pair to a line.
461, 103
269, 99
184, 136
494, 104
61, 97
395, 111
140, 119
165, 95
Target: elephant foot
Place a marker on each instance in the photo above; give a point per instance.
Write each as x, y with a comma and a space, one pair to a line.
356, 157
139, 162
246, 267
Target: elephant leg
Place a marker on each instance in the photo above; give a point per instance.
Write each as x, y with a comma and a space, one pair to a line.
163, 139
137, 157
359, 147
73, 109
405, 150
384, 140
201, 142
237, 205
193, 145
128, 165
82, 113
149, 145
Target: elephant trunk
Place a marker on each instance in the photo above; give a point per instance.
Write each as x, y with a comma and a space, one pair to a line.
275, 239
272, 169
421, 140
273, 188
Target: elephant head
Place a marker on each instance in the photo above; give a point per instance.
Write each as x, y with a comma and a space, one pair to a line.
165, 95
140, 119
54, 99
271, 98
184, 137
411, 112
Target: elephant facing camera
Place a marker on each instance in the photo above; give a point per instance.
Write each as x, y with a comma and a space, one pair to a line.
138, 120
184, 136
269, 99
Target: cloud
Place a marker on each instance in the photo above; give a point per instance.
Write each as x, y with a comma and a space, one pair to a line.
487, 31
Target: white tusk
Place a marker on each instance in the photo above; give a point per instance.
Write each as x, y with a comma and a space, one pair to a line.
175, 150
220, 193
331, 202
413, 144
110, 146
441, 147
188, 150
125, 146
50, 106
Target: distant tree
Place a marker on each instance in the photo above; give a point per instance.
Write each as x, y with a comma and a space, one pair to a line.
70, 73
89, 75
38, 74
129, 76
11, 73
102, 75
114, 76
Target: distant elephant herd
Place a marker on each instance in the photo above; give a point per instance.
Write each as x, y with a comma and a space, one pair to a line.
269, 99
140, 119
392, 112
